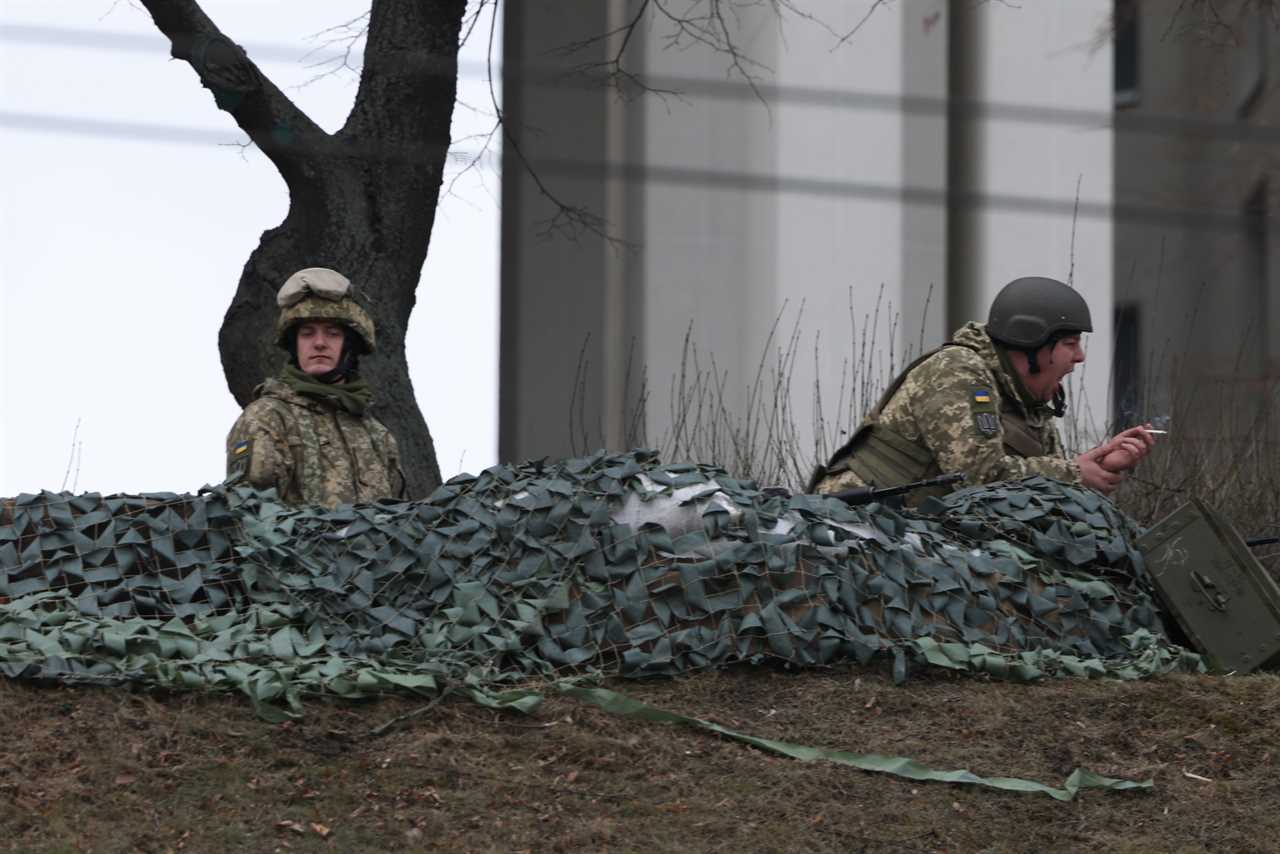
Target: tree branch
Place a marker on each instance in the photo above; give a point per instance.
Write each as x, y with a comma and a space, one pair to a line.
348, 34
618, 77
275, 124
1207, 21
410, 56
568, 221
714, 24
853, 32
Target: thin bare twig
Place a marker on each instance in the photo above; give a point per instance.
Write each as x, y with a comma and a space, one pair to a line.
858, 26
568, 221
1075, 219
351, 32
75, 436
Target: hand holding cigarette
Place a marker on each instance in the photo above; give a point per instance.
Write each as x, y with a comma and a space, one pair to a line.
1123, 452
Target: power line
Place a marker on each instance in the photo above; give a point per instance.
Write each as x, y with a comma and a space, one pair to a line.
149, 132
1127, 121
155, 44
1195, 218
130, 131
632, 173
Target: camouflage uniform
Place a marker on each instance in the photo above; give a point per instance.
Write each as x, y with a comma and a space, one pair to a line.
961, 409
312, 452
322, 446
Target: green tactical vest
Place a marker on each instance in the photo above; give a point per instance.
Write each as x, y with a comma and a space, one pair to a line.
882, 457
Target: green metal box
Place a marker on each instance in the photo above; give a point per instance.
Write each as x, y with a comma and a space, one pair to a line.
1220, 596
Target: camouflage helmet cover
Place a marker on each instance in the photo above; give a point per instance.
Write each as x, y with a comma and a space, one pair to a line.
1029, 312
318, 293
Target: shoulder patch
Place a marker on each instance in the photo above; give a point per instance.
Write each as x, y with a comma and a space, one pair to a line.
982, 403
238, 459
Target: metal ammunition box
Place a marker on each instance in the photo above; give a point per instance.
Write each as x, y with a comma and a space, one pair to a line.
1221, 597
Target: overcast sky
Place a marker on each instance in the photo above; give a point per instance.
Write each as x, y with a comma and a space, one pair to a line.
127, 212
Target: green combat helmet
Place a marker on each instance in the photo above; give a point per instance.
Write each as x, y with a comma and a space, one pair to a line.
1030, 312
318, 293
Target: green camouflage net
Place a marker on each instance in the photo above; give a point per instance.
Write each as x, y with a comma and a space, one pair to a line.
601, 566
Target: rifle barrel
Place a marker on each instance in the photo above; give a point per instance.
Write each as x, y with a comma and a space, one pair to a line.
867, 494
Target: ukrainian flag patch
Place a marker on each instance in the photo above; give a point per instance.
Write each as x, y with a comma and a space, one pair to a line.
985, 417
238, 460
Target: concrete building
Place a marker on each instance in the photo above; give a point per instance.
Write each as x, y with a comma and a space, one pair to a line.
1197, 175
861, 196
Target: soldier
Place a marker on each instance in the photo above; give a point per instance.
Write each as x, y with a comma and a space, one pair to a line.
983, 404
308, 433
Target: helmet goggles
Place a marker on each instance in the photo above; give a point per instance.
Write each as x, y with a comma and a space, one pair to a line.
313, 281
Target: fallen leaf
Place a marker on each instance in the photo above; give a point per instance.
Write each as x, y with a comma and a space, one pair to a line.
295, 826
125, 780
1190, 776
321, 829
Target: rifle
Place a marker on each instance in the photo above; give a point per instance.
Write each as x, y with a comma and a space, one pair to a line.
1262, 541
868, 494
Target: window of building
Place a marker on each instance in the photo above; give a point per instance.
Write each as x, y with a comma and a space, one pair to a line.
1126, 388
1125, 19
1257, 255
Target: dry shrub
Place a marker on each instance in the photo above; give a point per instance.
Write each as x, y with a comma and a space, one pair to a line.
1227, 455
1223, 446
769, 439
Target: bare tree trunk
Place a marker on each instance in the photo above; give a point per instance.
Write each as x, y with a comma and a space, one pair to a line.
361, 200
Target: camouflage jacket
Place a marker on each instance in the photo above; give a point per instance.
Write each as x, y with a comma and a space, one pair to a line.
965, 410
312, 452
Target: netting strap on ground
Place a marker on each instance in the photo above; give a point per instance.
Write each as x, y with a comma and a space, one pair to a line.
897, 766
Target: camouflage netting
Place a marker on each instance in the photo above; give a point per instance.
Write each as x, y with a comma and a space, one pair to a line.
607, 565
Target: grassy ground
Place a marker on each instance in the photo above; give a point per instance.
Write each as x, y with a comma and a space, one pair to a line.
108, 770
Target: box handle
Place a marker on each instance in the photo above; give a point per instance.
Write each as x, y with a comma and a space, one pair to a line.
1204, 584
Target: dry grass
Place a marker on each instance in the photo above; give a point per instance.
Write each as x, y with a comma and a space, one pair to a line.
1224, 447
103, 770
770, 437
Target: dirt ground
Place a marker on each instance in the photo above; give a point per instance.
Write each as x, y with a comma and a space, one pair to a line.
92, 769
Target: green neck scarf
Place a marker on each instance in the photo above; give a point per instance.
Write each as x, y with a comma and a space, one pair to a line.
354, 395
1029, 403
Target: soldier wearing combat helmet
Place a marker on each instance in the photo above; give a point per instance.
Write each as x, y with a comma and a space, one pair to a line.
308, 432
983, 404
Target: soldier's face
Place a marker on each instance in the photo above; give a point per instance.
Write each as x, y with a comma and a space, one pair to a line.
319, 346
1055, 363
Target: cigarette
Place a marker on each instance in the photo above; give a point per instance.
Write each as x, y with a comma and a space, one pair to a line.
1157, 432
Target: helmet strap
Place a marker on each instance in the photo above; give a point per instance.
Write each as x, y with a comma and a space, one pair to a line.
1059, 402
1033, 361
